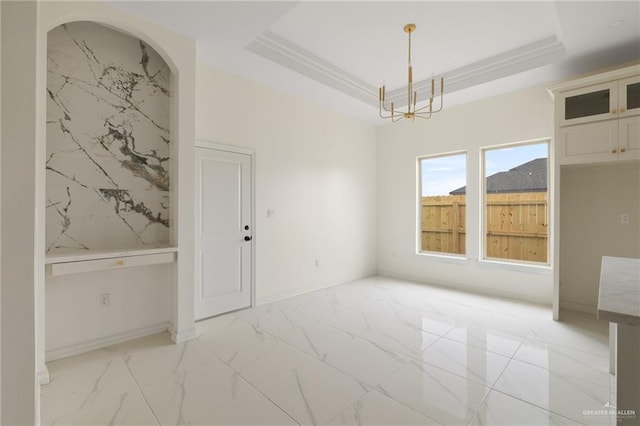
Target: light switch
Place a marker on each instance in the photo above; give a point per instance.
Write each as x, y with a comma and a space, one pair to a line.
271, 213
624, 218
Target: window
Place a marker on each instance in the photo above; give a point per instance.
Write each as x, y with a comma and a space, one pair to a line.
442, 204
516, 209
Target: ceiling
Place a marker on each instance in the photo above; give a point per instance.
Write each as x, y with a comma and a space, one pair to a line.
337, 53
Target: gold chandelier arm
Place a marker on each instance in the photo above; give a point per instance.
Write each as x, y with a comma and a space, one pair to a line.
384, 107
423, 115
430, 105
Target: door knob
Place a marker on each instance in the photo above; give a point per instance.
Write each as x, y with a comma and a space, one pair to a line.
247, 238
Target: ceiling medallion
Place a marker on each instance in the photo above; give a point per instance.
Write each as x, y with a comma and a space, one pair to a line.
412, 97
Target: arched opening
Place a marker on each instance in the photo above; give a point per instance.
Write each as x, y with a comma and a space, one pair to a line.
110, 154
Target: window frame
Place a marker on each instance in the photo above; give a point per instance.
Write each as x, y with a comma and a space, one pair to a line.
515, 263
418, 224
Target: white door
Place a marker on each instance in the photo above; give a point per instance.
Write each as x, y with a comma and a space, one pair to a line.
223, 234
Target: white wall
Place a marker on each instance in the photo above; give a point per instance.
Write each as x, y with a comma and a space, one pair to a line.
517, 116
315, 169
141, 301
140, 304
19, 398
592, 198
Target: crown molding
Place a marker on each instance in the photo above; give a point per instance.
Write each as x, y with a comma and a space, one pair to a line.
524, 58
283, 52
597, 77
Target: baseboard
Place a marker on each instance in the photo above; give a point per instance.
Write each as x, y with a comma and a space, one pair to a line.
579, 307
103, 342
294, 293
43, 376
182, 336
285, 295
467, 288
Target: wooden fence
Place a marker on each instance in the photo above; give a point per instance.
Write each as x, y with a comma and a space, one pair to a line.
516, 225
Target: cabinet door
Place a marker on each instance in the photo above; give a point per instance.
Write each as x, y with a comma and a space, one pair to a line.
629, 142
587, 104
593, 142
629, 97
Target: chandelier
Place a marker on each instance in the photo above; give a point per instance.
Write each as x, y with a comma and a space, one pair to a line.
412, 97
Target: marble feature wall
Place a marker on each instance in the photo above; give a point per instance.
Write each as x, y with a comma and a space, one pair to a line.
108, 141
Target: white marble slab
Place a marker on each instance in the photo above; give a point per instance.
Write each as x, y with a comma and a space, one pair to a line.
108, 141
619, 293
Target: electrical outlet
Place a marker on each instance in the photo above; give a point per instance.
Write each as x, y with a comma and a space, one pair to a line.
624, 218
105, 299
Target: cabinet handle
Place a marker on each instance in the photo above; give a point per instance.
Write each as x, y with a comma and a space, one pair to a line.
120, 262
613, 151
622, 150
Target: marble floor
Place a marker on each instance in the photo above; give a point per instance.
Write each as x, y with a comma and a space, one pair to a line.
376, 351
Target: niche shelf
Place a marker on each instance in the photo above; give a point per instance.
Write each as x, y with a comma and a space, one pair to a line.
75, 263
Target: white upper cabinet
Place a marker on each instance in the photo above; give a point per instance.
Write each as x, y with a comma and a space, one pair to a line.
629, 97
587, 104
614, 99
597, 118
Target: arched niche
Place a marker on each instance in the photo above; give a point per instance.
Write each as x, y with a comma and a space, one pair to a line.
108, 141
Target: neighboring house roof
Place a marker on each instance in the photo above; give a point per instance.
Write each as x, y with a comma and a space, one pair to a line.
527, 177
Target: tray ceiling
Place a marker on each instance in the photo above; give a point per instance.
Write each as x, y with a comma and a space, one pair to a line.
336, 53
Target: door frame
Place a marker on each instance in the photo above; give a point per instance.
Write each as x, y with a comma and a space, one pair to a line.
201, 143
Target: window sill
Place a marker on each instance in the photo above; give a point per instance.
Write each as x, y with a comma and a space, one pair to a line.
449, 258
532, 268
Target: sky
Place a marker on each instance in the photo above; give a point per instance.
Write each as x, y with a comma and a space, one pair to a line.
440, 175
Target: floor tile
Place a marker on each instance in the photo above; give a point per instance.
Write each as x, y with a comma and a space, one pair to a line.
76, 382
127, 408
212, 394
571, 335
400, 337
561, 358
307, 389
435, 393
157, 357
353, 355
562, 394
374, 351
485, 338
467, 361
377, 409
500, 409
234, 341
